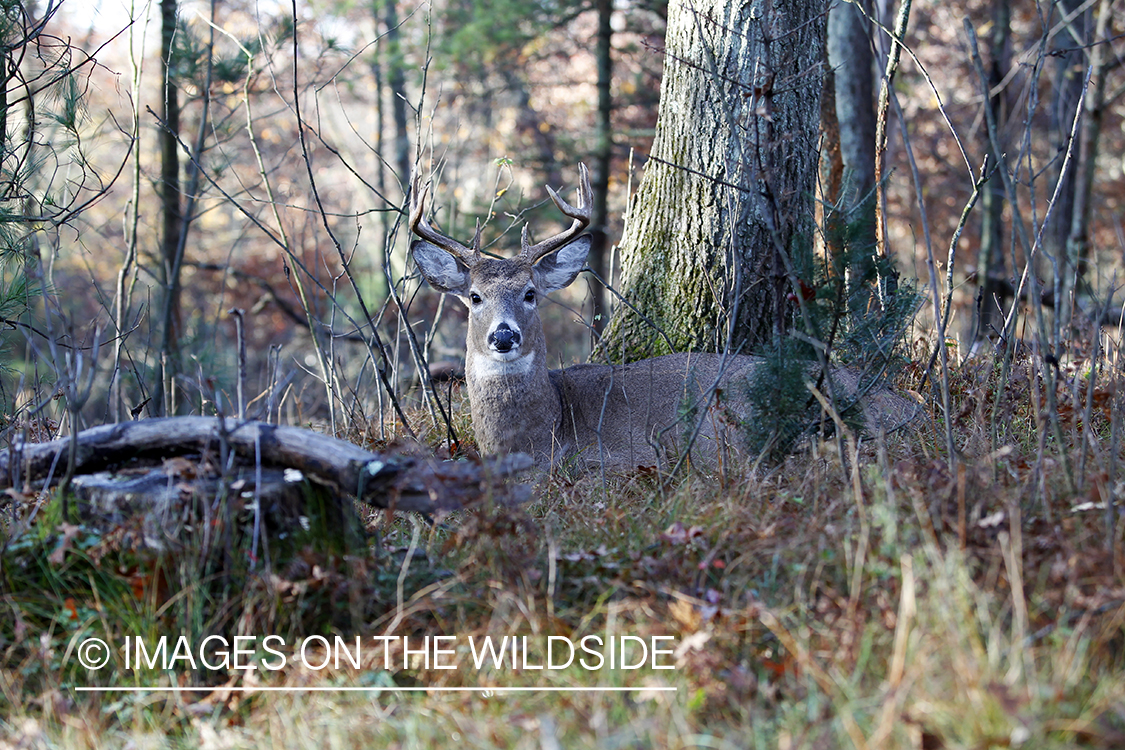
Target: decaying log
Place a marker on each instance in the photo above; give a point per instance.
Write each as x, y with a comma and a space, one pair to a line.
387, 480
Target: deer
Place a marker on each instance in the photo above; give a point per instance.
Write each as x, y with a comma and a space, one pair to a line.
618, 417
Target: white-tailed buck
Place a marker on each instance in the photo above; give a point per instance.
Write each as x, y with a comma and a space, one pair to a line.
622, 417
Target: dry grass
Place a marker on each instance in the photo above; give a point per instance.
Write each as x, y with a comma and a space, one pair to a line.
971, 604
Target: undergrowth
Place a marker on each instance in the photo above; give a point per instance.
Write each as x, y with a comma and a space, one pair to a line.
968, 603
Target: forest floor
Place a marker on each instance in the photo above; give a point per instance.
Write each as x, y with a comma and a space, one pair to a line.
887, 597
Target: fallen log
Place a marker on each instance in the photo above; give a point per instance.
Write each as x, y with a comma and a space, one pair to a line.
400, 481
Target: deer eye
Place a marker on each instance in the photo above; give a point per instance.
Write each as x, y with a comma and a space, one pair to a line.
529, 296
475, 298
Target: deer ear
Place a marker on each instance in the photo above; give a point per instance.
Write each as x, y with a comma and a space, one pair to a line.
444, 272
556, 270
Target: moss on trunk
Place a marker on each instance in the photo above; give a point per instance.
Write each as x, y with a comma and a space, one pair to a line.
729, 182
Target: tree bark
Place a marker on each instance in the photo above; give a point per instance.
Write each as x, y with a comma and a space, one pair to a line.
728, 188
603, 158
1067, 82
386, 480
172, 211
852, 59
851, 227
1074, 265
396, 80
994, 289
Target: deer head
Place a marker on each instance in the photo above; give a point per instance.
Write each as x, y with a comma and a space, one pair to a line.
505, 334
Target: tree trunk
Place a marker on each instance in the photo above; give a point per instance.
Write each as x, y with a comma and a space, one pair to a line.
396, 79
1073, 269
994, 289
852, 59
727, 192
603, 156
1067, 81
377, 159
172, 216
387, 479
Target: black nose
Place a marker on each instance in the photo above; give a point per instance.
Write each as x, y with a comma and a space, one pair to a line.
503, 339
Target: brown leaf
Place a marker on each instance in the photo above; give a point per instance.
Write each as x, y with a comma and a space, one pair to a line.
685, 614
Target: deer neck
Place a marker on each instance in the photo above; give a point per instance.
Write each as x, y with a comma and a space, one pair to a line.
515, 406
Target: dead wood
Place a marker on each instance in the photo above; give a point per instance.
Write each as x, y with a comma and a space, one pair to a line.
400, 481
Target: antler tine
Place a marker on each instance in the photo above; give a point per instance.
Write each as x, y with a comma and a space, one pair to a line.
582, 213
422, 228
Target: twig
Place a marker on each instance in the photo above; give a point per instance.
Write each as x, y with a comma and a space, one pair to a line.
240, 335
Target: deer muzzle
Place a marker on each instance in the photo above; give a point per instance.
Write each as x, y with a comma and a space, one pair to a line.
503, 339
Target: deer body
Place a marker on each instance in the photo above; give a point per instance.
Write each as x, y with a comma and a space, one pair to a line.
620, 417
644, 413
624, 416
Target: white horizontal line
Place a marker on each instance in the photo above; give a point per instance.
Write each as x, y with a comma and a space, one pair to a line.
265, 689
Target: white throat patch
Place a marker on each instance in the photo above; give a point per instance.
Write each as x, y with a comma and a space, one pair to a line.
488, 367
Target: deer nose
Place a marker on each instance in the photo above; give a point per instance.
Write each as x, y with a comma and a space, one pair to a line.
503, 338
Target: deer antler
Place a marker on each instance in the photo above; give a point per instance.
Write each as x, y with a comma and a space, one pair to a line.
581, 215
422, 228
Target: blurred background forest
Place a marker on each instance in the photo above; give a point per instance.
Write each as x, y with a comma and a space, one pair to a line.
205, 205
168, 163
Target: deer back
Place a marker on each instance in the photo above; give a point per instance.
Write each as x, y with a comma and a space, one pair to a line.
648, 413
